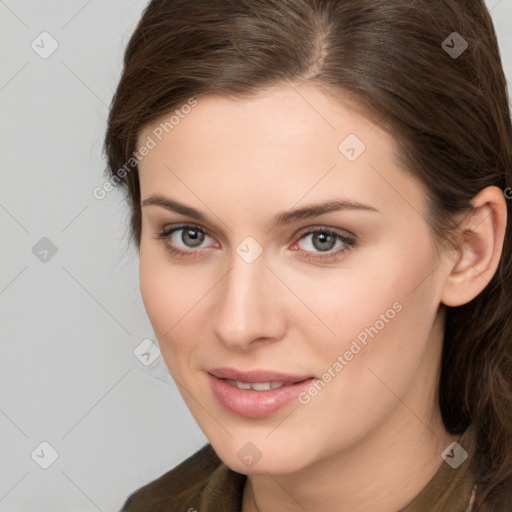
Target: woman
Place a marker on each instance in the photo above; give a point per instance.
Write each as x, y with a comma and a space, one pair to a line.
318, 191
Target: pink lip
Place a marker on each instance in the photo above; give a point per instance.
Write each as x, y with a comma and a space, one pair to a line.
250, 403
255, 375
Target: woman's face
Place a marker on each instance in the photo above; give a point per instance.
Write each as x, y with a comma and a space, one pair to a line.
281, 243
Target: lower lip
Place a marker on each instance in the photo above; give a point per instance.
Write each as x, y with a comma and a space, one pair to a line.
255, 404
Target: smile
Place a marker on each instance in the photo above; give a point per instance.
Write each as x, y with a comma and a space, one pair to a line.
256, 393
258, 386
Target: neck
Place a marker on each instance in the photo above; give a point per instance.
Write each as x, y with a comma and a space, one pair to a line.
383, 473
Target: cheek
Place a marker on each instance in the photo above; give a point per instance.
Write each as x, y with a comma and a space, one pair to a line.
172, 295
382, 320
362, 292
375, 313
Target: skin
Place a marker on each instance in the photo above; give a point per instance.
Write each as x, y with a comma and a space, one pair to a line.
373, 437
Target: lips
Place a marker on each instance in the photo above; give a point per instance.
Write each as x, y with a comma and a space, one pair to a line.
255, 393
256, 375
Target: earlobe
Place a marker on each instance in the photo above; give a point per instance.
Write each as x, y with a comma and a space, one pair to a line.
481, 244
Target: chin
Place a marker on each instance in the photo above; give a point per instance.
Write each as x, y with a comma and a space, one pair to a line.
263, 456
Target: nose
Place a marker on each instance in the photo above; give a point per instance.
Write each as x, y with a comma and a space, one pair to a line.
248, 308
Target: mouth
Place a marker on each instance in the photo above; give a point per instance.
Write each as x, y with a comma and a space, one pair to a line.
256, 393
258, 386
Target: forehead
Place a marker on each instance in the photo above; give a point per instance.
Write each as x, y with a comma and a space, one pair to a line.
285, 144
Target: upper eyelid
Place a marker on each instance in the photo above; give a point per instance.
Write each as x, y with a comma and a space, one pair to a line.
303, 230
327, 229
171, 230
298, 234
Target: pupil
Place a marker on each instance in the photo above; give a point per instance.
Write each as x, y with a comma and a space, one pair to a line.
192, 237
323, 241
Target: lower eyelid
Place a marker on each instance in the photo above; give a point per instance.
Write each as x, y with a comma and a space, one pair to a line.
347, 243
339, 236
167, 234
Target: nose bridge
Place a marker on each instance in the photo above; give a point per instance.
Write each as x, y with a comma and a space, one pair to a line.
245, 310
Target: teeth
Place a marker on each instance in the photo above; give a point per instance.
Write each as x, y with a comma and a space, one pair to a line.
258, 386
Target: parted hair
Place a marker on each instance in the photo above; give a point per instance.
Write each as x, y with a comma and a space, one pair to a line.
448, 114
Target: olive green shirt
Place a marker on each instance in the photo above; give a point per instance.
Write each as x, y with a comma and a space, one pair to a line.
203, 483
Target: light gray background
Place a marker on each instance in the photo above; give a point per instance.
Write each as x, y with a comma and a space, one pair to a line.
70, 323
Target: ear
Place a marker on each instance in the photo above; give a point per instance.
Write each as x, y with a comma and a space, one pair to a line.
479, 252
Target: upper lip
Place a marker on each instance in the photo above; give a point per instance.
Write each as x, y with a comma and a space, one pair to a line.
255, 375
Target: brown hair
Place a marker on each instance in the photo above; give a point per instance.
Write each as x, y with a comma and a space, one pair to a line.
449, 115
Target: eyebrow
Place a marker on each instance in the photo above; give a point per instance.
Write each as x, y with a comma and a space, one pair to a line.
280, 219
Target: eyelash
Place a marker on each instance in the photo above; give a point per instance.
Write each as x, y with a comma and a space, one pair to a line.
349, 243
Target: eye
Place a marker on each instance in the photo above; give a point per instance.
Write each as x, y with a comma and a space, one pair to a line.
323, 244
190, 237
319, 240
320, 244
185, 240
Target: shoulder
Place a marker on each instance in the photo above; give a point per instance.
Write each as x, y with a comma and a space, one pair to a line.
196, 483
